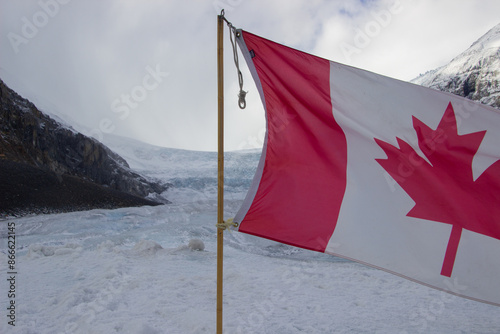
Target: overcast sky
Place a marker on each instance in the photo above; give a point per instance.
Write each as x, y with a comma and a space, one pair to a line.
147, 69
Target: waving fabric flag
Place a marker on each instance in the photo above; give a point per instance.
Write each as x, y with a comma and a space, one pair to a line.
383, 172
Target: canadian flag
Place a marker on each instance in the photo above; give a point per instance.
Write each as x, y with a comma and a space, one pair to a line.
380, 171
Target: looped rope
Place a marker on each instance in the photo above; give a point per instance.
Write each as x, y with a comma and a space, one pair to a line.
233, 34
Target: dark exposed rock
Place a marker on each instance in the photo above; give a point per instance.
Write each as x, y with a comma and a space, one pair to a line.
30, 138
27, 189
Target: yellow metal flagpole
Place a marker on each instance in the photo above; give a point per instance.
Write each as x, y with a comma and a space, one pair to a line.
221, 224
220, 177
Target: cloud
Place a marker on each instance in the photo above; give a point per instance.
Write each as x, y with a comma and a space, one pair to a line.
87, 55
402, 39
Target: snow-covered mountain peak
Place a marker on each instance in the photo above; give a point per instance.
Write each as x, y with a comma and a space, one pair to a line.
490, 40
474, 74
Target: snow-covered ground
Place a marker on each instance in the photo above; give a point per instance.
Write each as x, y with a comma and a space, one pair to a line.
131, 271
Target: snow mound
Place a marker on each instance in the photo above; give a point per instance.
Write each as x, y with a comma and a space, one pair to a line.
193, 245
108, 246
146, 247
38, 250
196, 245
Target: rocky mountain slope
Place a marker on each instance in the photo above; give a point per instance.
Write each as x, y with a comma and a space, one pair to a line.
474, 74
64, 162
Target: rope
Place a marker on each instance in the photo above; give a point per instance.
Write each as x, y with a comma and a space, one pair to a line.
227, 224
233, 34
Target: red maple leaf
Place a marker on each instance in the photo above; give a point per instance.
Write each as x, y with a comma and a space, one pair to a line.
444, 190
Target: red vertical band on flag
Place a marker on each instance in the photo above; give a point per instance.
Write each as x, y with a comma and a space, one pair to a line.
304, 176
